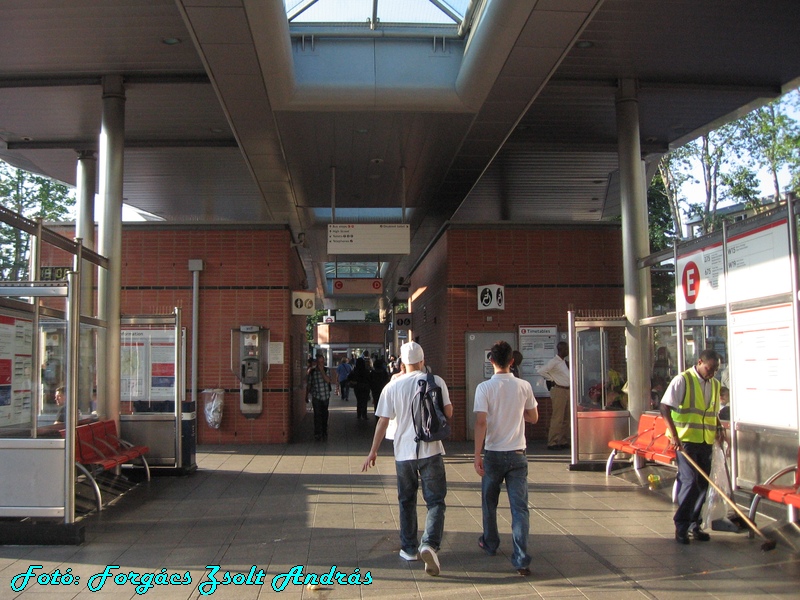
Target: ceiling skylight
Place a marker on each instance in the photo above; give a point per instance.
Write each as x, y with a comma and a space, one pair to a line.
376, 13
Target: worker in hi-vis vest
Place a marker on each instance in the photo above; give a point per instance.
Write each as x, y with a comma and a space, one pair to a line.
690, 406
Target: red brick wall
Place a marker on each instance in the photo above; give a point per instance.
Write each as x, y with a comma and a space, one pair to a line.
247, 279
545, 271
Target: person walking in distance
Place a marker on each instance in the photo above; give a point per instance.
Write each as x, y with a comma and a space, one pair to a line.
415, 461
556, 370
690, 407
502, 406
318, 385
342, 371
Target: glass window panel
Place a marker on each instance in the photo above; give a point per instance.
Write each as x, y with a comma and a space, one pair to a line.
389, 11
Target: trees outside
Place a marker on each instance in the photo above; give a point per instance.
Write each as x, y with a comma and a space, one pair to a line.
727, 161
34, 197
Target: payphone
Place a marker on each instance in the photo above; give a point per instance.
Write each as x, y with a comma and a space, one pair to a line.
250, 363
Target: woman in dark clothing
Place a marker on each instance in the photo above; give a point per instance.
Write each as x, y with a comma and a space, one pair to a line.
377, 379
359, 380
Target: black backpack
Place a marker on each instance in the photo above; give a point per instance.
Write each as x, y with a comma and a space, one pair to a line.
427, 412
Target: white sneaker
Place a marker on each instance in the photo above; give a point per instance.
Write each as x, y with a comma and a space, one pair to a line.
407, 556
428, 554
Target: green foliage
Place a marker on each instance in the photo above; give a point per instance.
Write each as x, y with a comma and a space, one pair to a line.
662, 236
768, 138
34, 197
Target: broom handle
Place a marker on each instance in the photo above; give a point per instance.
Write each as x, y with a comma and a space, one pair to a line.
724, 496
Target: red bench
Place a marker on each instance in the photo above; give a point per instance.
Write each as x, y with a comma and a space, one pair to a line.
98, 448
649, 442
780, 493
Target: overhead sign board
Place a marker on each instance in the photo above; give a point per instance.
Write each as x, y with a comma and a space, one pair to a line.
303, 303
369, 238
355, 286
491, 297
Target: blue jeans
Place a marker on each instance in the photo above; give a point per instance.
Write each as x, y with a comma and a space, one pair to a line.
434, 489
693, 487
511, 466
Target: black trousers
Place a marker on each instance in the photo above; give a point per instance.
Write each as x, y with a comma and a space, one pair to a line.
320, 416
692, 487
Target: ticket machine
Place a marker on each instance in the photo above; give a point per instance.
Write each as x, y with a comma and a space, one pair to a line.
250, 363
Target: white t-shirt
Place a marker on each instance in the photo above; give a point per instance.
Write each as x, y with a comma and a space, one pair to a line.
395, 403
504, 398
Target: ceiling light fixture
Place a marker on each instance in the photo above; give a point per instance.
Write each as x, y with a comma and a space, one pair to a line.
171, 41
583, 44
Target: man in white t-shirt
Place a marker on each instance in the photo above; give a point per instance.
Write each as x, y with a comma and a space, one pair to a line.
414, 461
502, 405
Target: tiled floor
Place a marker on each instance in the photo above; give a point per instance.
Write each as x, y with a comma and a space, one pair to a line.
308, 507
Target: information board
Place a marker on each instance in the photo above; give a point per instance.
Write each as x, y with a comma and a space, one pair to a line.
16, 369
759, 264
763, 362
538, 345
369, 238
147, 367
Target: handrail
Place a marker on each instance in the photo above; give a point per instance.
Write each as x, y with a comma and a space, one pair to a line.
51, 237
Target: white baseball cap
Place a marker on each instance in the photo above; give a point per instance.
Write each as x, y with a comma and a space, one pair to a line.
411, 353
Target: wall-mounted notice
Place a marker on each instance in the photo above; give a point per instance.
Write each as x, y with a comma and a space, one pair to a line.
147, 368
700, 278
538, 345
16, 339
369, 239
763, 361
759, 264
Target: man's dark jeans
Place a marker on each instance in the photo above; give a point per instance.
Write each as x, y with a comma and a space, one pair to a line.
511, 466
434, 488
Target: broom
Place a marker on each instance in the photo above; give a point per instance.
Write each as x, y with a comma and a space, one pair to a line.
768, 543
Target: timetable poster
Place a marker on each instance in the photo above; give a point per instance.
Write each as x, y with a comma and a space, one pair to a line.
764, 360
16, 341
162, 367
133, 358
538, 345
148, 365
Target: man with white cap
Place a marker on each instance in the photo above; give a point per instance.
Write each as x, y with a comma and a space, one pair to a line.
414, 461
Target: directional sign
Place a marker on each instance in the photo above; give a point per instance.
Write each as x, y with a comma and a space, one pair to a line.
369, 238
491, 297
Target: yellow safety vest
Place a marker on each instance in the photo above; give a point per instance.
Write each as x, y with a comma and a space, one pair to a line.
694, 420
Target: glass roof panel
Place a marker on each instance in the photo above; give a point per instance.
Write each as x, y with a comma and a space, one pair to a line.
390, 12
367, 270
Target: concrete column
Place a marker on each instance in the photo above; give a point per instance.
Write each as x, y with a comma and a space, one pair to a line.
84, 229
112, 148
635, 245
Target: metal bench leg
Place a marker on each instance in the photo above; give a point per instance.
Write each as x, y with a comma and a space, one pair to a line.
98, 497
610, 462
146, 466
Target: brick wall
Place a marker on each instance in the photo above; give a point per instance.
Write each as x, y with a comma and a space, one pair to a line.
247, 279
545, 271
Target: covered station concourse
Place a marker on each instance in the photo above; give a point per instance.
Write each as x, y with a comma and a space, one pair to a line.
471, 170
